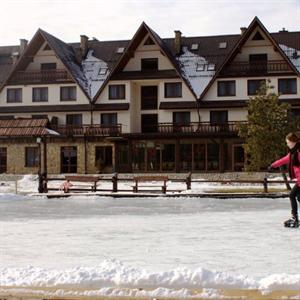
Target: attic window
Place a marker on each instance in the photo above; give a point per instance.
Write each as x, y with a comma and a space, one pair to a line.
120, 50
194, 46
200, 67
149, 41
223, 45
102, 71
47, 47
257, 37
211, 67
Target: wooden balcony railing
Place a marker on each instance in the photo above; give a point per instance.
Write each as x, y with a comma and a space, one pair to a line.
193, 127
41, 76
256, 68
88, 130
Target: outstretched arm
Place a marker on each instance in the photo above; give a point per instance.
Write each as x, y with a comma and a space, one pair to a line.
282, 161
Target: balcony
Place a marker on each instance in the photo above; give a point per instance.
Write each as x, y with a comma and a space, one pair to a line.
195, 128
41, 76
88, 130
256, 68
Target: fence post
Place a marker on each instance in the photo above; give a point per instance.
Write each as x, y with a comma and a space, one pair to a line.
265, 185
188, 181
115, 182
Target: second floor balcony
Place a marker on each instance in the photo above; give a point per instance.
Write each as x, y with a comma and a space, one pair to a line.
256, 68
87, 130
41, 76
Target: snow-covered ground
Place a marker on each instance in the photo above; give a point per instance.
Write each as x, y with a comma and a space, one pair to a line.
103, 245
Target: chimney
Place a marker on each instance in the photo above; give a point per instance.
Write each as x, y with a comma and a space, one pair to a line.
283, 30
23, 45
14, 57
243, 29
177, 41
84, 45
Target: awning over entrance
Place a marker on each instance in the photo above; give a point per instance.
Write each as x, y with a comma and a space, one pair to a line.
25, 128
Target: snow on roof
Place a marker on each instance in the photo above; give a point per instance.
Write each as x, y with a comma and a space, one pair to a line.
292, 54
197, 77
96, 71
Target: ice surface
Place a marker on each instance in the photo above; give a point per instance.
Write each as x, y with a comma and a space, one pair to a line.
150, 243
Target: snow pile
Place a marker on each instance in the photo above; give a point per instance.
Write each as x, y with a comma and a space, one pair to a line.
113, 278
29, 183
293, 55
95, 71
194, 69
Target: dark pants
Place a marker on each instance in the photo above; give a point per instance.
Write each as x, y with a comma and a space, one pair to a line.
294, 196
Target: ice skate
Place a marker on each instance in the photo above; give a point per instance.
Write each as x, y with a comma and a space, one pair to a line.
292, 222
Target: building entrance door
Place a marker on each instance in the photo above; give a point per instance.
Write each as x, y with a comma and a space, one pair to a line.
68, 161
3, 160
238, 157
104, 159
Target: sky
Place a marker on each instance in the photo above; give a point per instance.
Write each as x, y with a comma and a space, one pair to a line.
119, 19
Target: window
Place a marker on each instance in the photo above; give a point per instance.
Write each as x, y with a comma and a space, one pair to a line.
173, 90
257, 37
75, 119
254, 86
211, 67
116, 91
258, 58
226, 88
39, 117
149, 97
31, 157
102, 71
48, 66
149, 64
149, 41
40, 94
287, 86
68, 93
223, 45
109, 119
194, 46
219, 117
7, 117
200, 67
68, 159
14, 95
47, 47
120, 50
181, 118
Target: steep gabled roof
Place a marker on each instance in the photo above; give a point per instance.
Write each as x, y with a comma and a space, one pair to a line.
244, 37
132, 46
63, 51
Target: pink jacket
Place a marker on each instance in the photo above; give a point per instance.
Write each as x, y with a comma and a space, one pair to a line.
285, 161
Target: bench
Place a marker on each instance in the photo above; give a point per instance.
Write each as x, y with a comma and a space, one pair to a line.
77, 178
161, 179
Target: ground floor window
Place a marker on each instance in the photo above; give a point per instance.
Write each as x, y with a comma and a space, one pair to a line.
3, 160
31, 157
103, 158
68, 157
181, 156
238, 157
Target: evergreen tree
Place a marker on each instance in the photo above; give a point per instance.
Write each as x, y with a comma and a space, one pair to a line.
265, 131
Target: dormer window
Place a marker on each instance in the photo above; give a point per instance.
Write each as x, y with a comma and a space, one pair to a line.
120, 50
211, 67
102, 71
48, 66
149, 42
200, 67
149, 64
223, 45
